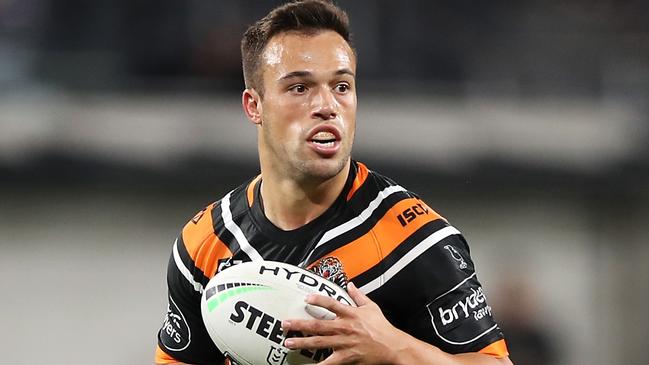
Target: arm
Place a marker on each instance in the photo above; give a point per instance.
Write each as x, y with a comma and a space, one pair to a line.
182, 336
363, 335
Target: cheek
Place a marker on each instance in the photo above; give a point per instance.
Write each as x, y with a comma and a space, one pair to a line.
350, 113
286, 119
294, 131
348, 102
284, 128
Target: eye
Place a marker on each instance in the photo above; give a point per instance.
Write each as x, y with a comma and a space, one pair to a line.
343, 87
298, 89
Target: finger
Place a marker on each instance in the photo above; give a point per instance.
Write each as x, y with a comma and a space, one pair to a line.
359, 297
319, 312
311, 326
315, 342
329, 303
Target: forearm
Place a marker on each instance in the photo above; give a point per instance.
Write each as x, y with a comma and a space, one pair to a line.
414, 351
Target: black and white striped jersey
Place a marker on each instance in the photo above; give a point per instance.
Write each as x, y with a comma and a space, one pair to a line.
384, 238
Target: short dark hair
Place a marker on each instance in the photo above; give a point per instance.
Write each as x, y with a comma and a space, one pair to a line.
307, 17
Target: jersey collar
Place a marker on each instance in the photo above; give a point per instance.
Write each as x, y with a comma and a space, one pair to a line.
306, 233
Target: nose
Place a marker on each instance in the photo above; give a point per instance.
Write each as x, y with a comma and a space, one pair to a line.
325, 105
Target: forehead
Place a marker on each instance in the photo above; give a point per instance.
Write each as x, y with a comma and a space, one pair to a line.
320, 52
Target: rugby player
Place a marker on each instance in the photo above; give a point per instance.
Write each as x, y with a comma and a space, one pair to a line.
407, 268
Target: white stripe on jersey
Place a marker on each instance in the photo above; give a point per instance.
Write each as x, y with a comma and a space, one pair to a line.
424, 245
356, 221
226, 214
463, 342
184, 270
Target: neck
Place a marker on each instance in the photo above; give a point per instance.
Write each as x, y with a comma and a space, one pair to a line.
290, 204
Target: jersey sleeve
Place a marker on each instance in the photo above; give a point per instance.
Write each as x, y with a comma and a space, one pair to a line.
436, 295
459, 319
183, 336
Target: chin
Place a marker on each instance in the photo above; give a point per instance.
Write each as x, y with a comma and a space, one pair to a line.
323, 169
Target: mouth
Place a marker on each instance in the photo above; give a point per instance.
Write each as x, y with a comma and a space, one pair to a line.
325, 139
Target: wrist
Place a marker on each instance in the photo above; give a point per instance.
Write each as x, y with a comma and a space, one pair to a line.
404, 348
409, 350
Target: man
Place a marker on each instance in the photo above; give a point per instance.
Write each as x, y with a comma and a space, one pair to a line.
409, 271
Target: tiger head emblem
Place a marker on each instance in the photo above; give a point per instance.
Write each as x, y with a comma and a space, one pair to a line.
331, 269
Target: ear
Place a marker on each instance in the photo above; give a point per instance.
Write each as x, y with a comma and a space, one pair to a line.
251, 102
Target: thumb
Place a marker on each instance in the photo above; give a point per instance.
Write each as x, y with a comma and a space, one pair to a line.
359, 297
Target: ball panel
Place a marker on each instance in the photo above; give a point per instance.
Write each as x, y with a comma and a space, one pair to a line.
243, 307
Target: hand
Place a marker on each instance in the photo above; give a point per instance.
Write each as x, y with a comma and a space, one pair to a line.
359, 335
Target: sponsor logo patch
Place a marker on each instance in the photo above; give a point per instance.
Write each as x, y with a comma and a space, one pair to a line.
412, 213
175, 334
466, 307
473, 305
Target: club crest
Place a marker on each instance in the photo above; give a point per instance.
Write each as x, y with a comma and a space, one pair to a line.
331, 269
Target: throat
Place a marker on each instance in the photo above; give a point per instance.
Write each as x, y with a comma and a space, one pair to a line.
290, 206
290, 212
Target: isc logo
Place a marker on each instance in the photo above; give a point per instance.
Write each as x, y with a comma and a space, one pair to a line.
411, 213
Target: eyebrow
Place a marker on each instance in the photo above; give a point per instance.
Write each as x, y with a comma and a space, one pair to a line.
294, 74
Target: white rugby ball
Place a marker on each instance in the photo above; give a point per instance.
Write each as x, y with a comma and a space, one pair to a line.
243, 307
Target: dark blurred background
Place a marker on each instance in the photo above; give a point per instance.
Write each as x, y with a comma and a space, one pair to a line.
525, 123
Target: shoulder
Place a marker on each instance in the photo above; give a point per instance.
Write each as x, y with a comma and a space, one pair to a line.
236, 202
200, 242
405, 206
199, 227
